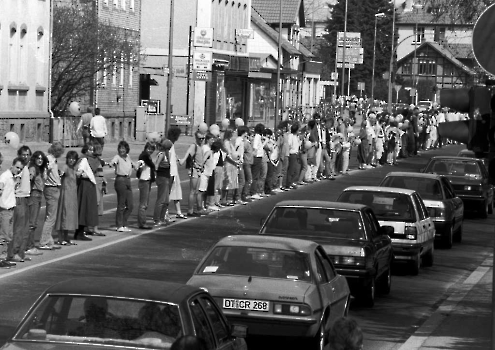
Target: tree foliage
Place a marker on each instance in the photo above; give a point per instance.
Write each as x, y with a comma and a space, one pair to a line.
457, 11
361, 18
82, 46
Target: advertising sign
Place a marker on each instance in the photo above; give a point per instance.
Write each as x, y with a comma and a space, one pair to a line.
180, 120
203, 37
352, 39
202, 60
347, 65
201, 75
352, 54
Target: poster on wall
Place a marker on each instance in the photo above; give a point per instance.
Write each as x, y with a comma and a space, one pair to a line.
202, 60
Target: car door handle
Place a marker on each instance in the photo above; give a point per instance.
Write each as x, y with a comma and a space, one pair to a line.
333, 289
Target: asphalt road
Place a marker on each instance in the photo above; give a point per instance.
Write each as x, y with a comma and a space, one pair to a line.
171, 253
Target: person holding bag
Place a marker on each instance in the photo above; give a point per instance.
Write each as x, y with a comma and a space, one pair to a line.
162, 165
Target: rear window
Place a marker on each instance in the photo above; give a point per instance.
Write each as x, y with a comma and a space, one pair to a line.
259, 262
312, 223
427, 188
466, 168
386, 206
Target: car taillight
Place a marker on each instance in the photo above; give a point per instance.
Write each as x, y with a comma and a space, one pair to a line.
349, 260
472, 188
411, 232
436, 212
291, 309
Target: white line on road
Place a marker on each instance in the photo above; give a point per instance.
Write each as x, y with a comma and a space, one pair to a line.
422, 334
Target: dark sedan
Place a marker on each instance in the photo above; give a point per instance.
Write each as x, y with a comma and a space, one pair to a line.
117, 313
469, 178
359, 247
444, 207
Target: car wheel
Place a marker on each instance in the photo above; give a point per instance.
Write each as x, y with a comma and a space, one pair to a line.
368, 293
484, 210
448, 237
429, 257
385, 282
415, 264
458, 234
319, 340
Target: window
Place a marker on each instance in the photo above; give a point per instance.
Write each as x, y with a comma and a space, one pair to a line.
23, 55
217, 322
105, 3
327, 266
407, 68
13, 54
40, 58
131, 69
201, 324
116, 4
422, 211
131, 5
371, 223
419, 35
439, 34
426, 66
122, 72
449, 191
122, 5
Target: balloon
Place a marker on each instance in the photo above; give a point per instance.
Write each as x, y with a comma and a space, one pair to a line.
12, 139
154, 136
225, 123
350, 128
203, 128
214, 129
307, 144
357, 141
351, 134
239, 122
75, 109
400, 125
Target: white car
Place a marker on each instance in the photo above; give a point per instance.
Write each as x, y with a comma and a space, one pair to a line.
404, 210
425, 105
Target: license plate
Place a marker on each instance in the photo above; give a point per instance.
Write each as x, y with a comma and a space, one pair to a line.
252, 305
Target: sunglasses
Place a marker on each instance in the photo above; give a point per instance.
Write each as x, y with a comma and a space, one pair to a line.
201, 138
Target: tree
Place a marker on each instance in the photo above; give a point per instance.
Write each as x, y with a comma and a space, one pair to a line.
361, 18
83, 48
457, 11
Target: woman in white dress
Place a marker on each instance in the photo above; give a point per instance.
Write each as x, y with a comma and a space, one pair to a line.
175, 189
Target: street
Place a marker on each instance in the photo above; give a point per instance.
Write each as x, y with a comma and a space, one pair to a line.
171, 253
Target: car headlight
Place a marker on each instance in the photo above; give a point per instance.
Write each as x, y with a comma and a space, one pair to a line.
436, 212
291, 309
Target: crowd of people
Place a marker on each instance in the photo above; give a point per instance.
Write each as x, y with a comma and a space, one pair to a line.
227, 165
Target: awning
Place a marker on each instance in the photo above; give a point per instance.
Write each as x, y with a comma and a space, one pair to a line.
151, 70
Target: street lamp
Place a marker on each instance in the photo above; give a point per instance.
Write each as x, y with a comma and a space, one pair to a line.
415, 66
378, 15
391, 66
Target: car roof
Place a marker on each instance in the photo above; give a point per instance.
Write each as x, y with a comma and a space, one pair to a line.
125, 288
266, 241
380, 189
320, 204
451, 158
413, 174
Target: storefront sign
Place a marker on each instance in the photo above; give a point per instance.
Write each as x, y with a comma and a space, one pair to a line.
203, 37
180, 71
180, 120
202, 60
254, 64
201, 75
152, 106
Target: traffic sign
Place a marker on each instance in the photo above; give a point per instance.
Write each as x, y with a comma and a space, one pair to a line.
353, 39
360, 86
347, 65
483, 34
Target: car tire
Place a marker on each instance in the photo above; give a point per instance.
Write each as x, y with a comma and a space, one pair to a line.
368, 293
415, 264
428, 258
458, 234
448, 237
385, 282
483, 210
320, 339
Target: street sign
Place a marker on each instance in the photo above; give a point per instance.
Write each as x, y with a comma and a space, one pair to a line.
333, 83
483, 34
203, 37
352, 39
397, 87
180, 71
334, 76
360, 86
347, 65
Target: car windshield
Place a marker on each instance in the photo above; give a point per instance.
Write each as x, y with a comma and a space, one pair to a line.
429, 189
314, 223
467, 168
388, 206
259, 262
101, 320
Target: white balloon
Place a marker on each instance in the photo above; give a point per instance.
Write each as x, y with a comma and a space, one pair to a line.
154, 136
225, 123
203, 127
75, 109
239, 122
12, 139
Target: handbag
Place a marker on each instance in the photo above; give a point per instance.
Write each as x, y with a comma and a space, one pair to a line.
190, 159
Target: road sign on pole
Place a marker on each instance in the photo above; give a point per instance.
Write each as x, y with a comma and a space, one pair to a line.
347, 65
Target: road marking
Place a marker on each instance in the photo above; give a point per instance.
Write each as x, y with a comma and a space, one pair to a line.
422, 334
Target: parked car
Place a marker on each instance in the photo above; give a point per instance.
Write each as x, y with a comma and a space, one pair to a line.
471, 154
414, 231
116, 313
469, 178
275, 286
444, 207
360, 249
425, 105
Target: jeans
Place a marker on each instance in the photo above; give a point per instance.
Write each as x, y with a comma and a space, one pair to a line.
162, 198
34, 205
256, 173
124, 200
292, 171
248, 175
283, 170
52, 194
7, 229
262, 179
21, 228
304, 167
144, 198
270, 182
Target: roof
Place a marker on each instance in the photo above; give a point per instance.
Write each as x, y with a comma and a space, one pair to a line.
305, 51
272, 33
425, 16
460, 51
453, 158
266, 241
442, 51
270, 11
380, 189
125, 287
414, 174
320, 204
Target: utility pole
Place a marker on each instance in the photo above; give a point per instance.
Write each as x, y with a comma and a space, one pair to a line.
170, 66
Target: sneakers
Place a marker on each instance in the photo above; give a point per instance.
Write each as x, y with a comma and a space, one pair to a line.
33, 251
45, 247
121, 229
127, 229
181, 216
4, 264
278, 190
213, 208
256, 196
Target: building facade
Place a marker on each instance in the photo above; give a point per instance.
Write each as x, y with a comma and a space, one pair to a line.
25, 62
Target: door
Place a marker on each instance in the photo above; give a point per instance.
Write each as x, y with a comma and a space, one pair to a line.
382, 243
426, 228
457, 204
218, 324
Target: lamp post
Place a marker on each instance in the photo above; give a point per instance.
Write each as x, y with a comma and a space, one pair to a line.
415, 66
343, 58
378, 15
279, 61
170, 67
391, 66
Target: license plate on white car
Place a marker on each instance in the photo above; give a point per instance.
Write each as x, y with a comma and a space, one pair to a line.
241, 304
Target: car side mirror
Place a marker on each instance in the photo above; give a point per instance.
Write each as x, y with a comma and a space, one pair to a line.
238, 330
387, 230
